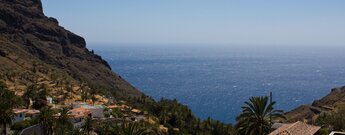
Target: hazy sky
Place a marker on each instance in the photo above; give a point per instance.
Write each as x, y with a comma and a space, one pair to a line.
277, 22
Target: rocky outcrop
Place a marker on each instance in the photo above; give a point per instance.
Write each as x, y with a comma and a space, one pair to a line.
331, 102
30, 41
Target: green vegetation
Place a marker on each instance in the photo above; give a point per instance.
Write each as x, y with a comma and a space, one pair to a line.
133, 129
62, 124
87, 128
256, 116
8, 101
177, 118
36, 93
24, 124
47, 120
127, 128
334, 121
173, 114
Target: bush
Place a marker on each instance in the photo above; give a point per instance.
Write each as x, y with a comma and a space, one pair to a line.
24, 124
334, 121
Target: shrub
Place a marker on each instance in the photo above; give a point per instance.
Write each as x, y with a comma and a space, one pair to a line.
333, 121
24, 124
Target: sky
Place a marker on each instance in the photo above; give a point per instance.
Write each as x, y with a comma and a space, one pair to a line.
210, 22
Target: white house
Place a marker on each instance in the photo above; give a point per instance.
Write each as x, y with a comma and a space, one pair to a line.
49, 100
337, 133
19, 115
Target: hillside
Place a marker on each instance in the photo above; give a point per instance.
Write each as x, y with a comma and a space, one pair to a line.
34, 49
330, 103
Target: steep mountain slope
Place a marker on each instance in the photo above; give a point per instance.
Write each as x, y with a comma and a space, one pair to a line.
35, 49
330, 103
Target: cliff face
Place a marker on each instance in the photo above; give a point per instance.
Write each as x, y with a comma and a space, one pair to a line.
34, 48
331, 102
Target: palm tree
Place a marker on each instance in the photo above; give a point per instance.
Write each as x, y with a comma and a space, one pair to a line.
41, 98
106, 128
69, 91
46, 120
256, 116
163, 116
8, 101
63, 123
84, 92
127, 128
88, 125
29, 94
134, 129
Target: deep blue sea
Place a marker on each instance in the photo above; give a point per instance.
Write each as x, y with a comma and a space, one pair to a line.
215, 81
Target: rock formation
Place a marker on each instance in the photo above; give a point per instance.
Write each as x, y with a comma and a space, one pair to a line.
33, 47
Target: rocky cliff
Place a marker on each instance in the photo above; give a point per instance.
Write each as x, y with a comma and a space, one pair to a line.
330, 103
35, 49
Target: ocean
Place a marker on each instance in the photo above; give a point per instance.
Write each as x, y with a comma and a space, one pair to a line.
215, 81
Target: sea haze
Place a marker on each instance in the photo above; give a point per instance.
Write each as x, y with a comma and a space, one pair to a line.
216, 81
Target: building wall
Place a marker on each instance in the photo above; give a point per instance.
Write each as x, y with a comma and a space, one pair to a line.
78, 122
97, 112
19, 117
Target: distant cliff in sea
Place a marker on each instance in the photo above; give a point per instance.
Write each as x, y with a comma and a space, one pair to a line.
36, 49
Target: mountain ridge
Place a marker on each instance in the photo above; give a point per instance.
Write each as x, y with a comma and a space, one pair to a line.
35, 47
332, 102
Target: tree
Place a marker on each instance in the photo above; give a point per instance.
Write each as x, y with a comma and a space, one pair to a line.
163, 116
29, 94
8, 101
88, 125
333, 121
134, 129
116, 113
69, 89
46, 120
256, 116
106, 128
40, 100
84, 92
63, 123
126, 128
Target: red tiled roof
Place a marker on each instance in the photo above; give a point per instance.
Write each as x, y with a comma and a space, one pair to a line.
297, 128
79, 112
136, 110
17, 111
113, 106
33, 112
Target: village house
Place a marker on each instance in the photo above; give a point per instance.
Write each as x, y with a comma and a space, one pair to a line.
136, 111
123, 108
163, 129
33, 113
176, 129
337, 133
19, 115
297, 128
78, 116
113, 107
49, 100
97, 111
22, 114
